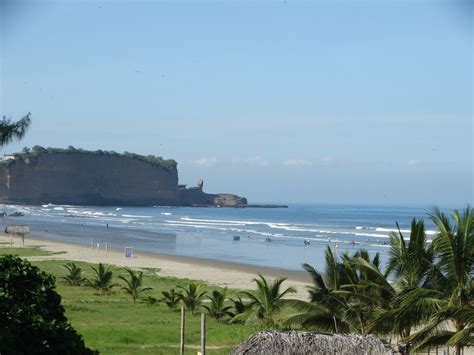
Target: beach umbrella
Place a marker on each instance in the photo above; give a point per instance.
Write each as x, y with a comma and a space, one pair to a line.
18, 230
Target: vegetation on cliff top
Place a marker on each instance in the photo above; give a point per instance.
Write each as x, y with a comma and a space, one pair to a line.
37, 150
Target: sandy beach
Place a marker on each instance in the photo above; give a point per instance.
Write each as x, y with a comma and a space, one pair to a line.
217, 273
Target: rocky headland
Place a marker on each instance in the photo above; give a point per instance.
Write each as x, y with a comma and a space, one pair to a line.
100, 178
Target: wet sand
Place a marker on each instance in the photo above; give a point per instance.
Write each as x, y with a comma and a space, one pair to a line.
214, 272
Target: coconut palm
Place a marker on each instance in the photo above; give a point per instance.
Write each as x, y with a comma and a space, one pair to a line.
10, 130
192, 296
452, 323
134, 285
412, 265
103, 279
325, 309
346, 297
74, 276
217, 308
171, 298
265, 302
239, 306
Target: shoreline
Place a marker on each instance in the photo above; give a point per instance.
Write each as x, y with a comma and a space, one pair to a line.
213, 272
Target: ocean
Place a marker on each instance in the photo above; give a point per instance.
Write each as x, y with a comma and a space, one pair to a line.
273, 237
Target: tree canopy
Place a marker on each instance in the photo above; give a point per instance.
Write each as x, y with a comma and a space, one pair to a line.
32, 319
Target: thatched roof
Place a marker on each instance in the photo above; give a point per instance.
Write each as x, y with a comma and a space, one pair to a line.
290, 343
18, 230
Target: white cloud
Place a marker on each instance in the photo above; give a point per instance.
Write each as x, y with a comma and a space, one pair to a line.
413, 162
252, 161
205, 161
296, 162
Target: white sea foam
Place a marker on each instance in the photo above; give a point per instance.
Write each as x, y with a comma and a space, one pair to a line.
285, 226
209, 223
166, 213
220, 221
380, 229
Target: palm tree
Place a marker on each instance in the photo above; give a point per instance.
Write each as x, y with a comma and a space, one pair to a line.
217, 308
453, 299
412, 266
103, 279
74, 276
134, 286
346, 297
10, 130
266, 302
325, 309
192, 296
171, 298
239, 306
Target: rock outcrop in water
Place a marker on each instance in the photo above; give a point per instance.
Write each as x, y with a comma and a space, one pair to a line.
78, 177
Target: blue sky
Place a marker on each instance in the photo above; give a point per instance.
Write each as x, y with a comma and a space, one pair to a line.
282, 101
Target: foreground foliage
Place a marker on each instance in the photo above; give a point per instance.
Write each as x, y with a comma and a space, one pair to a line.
10, 130
32, 319
432, 291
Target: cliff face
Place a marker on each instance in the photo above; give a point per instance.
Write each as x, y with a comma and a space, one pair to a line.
93, 178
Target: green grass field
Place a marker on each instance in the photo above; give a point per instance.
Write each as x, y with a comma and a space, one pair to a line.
4, 249
113, 324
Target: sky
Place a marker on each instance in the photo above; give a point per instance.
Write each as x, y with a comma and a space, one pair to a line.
354, 102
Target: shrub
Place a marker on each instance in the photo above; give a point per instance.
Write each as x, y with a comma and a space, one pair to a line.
32, 319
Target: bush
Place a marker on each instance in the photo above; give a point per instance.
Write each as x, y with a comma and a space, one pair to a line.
32, 319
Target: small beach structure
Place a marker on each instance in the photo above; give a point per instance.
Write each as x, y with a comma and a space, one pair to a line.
19, 231
287, 343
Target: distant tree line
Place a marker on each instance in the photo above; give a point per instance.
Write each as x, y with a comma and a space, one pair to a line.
37, 150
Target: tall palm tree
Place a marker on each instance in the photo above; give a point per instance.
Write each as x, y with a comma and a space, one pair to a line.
10, 130
217, 308
134, 285
103, 279
325, 309
74, 276
346, 297
453, 322
411, 263
265, 302
192, 296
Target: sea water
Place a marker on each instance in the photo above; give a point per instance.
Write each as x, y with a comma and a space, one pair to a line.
273, 237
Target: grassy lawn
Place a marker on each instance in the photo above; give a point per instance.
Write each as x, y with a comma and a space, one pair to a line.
113, 324
4, 249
